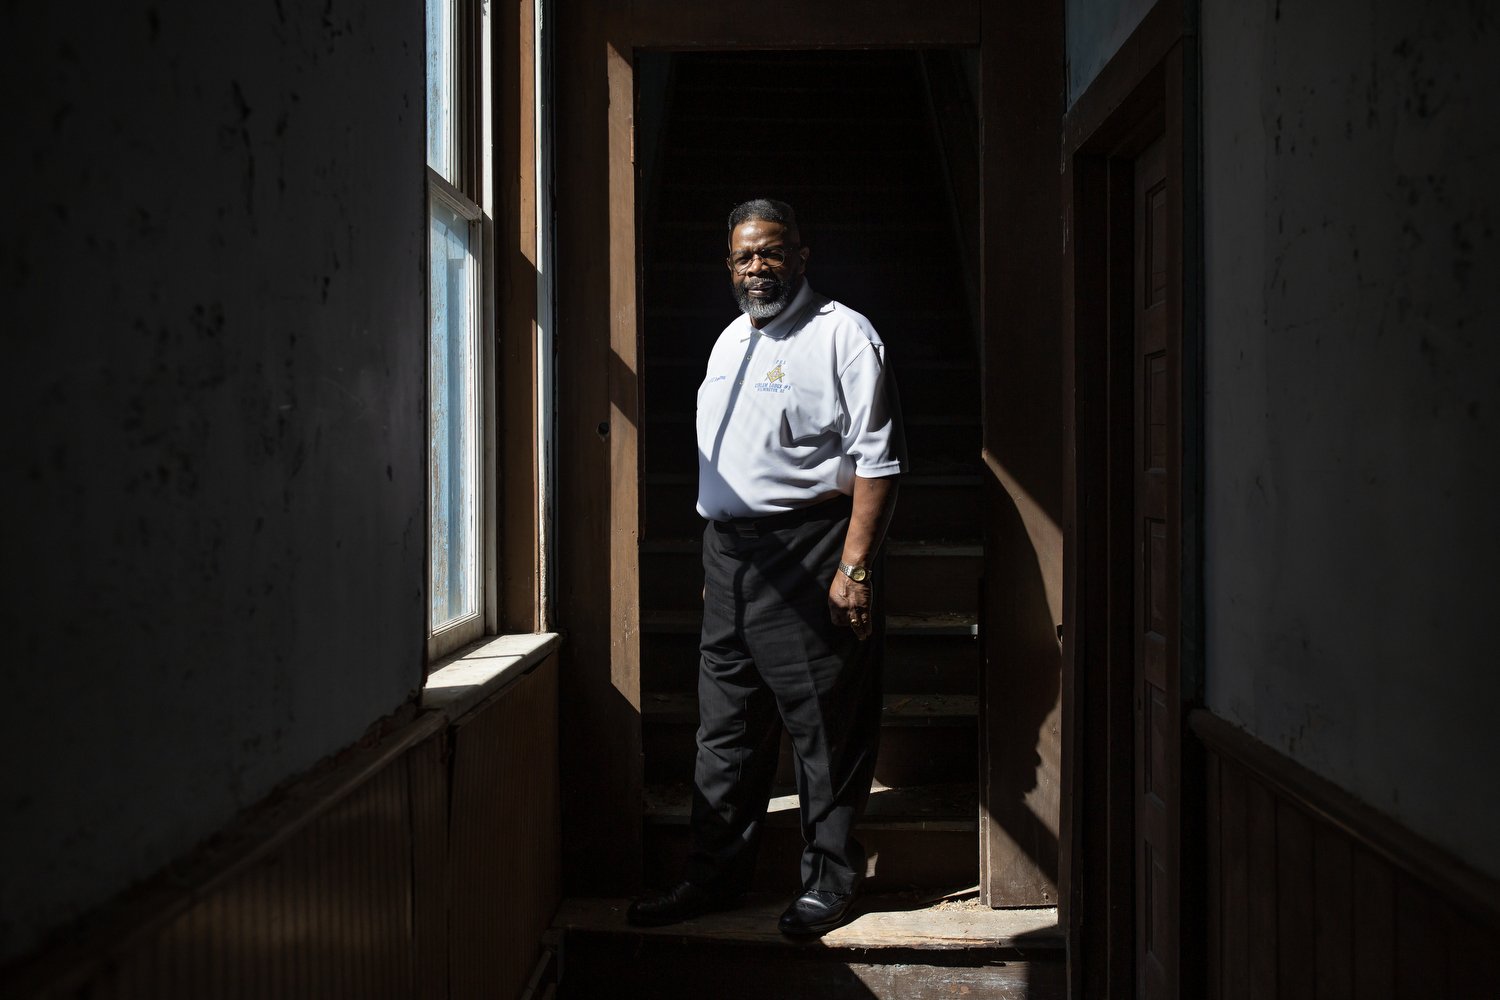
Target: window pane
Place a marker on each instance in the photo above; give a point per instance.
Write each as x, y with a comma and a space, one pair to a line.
442, 111
454, 419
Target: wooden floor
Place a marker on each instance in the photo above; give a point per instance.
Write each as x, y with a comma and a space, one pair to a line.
902, 921
898, 947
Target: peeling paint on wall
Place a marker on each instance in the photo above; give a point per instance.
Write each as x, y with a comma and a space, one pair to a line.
213, 266
1351, 151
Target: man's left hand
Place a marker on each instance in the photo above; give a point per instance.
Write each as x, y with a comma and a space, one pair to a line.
849, 604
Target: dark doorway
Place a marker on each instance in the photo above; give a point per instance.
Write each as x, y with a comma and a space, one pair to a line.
1136, 778
876, 151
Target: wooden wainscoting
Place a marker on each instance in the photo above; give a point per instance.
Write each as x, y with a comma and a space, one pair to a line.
504, 837
424, 866
1314, 894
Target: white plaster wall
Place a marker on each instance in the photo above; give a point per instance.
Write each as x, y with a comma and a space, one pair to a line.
1095, 31
212, 261
1352, 152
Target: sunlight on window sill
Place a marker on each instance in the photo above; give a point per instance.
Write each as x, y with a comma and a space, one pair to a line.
484, 668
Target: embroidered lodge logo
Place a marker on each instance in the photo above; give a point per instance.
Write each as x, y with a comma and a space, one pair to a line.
775, 380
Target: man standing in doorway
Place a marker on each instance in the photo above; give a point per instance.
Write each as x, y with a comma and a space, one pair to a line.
800, 449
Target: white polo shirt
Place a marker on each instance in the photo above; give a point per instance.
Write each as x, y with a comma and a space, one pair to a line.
789, 413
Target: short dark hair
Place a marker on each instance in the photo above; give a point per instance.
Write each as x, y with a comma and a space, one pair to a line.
765, 210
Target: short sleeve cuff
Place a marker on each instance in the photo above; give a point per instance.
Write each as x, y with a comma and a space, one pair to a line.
878, 470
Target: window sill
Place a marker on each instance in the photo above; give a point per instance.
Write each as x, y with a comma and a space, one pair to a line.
472, 675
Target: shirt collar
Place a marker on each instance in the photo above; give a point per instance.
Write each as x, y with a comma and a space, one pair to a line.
783, 322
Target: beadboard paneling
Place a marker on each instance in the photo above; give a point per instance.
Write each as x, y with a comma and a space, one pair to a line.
1314, 895
505, 836
424, 866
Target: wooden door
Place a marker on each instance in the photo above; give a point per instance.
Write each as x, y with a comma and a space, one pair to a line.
1156, 675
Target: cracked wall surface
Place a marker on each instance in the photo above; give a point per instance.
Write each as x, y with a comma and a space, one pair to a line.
213, 267
1351, 152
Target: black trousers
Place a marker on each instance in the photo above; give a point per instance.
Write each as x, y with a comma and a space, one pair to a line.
771, 657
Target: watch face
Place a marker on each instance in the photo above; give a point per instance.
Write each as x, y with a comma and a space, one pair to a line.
858, 575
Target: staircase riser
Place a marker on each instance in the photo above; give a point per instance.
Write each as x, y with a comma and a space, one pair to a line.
937, 512
690, 337
830, 106
903, 858
930, 393
668, 448
890, 169
936, 665
875, 124
825, 209
933, 513
911, 333
915, 584
702, 302
909, 755
694, 202
939, 393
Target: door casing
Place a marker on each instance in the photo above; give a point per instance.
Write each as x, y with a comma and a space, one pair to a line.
1028, 430
1145, 94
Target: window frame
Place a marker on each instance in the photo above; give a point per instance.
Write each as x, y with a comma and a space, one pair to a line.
469, 196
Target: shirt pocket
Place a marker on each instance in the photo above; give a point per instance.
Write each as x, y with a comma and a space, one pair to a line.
804, 422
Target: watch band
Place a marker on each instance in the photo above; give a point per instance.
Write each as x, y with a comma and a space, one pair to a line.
859, 574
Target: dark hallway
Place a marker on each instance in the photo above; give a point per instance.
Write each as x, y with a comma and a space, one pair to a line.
276, 272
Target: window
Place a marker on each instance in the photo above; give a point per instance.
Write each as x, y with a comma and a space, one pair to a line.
459, 356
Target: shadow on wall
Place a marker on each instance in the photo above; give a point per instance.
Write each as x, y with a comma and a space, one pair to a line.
1021, 689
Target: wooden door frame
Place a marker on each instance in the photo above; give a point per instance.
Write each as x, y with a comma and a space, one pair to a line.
598, 335
1147, 90
1022, 375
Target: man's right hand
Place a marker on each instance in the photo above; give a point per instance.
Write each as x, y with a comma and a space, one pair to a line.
849, 605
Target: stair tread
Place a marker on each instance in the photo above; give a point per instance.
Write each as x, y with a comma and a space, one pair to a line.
895, 547
715, 227
942, 365
803, 187
897, 921
680, 417
722, 316
908, 481
721, 154
932, 624
885, 118
947, 806
897, 709
708, 275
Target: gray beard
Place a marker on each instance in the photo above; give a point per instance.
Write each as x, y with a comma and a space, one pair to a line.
764, 308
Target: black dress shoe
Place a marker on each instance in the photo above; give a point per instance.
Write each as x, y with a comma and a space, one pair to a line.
815, 912
683, 901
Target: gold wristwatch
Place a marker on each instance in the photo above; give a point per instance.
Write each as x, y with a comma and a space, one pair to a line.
858, 574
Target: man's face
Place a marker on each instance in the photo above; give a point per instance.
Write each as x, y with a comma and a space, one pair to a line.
764, 288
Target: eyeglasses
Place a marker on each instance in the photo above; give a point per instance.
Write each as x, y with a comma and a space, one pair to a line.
772, 257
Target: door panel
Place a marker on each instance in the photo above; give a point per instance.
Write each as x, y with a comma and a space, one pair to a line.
1156, 586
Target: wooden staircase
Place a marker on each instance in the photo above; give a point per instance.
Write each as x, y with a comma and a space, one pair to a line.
847, 139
